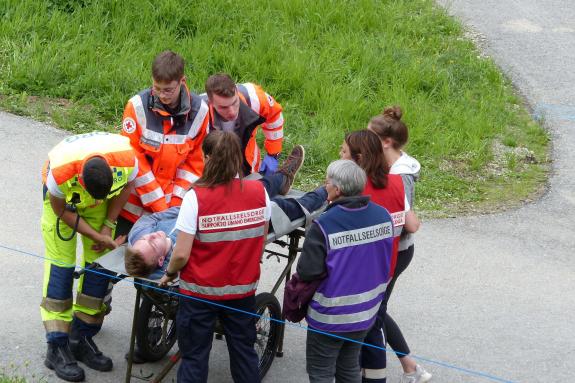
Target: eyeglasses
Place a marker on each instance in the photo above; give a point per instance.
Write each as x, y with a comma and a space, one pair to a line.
165, 91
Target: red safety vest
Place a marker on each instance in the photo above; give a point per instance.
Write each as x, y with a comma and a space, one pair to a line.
392, 197
225, 259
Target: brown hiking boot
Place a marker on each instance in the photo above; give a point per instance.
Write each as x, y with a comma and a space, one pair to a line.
290, 167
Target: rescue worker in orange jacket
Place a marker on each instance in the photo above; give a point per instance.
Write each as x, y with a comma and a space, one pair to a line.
166, 125
242, 108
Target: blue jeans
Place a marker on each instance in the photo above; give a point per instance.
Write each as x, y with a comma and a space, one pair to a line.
273, 183
311, 201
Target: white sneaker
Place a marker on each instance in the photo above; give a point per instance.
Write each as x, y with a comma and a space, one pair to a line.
417, 376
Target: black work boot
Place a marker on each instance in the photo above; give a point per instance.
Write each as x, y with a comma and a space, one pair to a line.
85, 350
290, 167
60, 359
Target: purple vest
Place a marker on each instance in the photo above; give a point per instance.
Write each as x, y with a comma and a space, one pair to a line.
359, 245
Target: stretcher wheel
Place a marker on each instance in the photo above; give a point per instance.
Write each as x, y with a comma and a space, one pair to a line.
156, 327
268, 331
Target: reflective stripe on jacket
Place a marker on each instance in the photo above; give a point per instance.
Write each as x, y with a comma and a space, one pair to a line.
168, 146
225, 259
257, 108
66, 161
359, 243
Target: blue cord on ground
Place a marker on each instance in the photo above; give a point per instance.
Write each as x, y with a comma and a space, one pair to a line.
296, 325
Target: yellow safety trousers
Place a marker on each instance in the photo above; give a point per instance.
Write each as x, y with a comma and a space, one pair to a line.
58, 314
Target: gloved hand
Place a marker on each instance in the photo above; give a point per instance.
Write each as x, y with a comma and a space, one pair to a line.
269, 165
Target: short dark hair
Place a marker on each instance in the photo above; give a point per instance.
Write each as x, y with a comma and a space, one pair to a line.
220, 84
97, 177
135, 264
168, 66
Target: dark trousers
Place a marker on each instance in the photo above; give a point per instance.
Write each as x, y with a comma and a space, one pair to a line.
195, 325
311, 201
273, 183
385, 329
328, 357
392, 332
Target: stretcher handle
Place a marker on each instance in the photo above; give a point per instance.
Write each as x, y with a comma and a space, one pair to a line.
78, 273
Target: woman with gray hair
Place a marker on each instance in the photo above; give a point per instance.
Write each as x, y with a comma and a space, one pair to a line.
350, 246
347, 178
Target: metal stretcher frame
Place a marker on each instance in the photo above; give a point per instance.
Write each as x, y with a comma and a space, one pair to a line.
114, 261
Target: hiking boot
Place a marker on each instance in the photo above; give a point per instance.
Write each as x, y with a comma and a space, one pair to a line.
417, 376
290, 168
60, 359
86, 351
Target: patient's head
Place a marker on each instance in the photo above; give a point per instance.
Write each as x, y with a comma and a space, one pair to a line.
147, 254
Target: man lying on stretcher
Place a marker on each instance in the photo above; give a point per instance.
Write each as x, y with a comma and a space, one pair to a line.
152, 237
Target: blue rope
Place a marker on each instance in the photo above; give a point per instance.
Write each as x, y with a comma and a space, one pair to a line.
296, 325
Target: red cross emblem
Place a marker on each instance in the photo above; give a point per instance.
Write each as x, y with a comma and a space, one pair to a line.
129, 125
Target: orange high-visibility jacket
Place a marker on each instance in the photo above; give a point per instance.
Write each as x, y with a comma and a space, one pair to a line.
168, 147
257, 108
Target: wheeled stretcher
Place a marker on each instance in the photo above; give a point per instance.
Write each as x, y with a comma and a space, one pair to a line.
154, 319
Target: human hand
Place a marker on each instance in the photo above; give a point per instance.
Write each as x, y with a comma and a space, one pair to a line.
165, 280
104, 242
269, 165
105, 230
120, 239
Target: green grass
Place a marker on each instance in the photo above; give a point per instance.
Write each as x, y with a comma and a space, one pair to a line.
12, 373
331, 64
6, 379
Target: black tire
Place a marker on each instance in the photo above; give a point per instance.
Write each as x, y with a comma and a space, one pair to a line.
156, 327
268, 331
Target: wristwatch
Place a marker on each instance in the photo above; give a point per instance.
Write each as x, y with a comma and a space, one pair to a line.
171, 275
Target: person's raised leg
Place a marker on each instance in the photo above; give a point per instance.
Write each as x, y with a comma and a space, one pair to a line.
273, 183
311, 201
290, 167
280, 182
